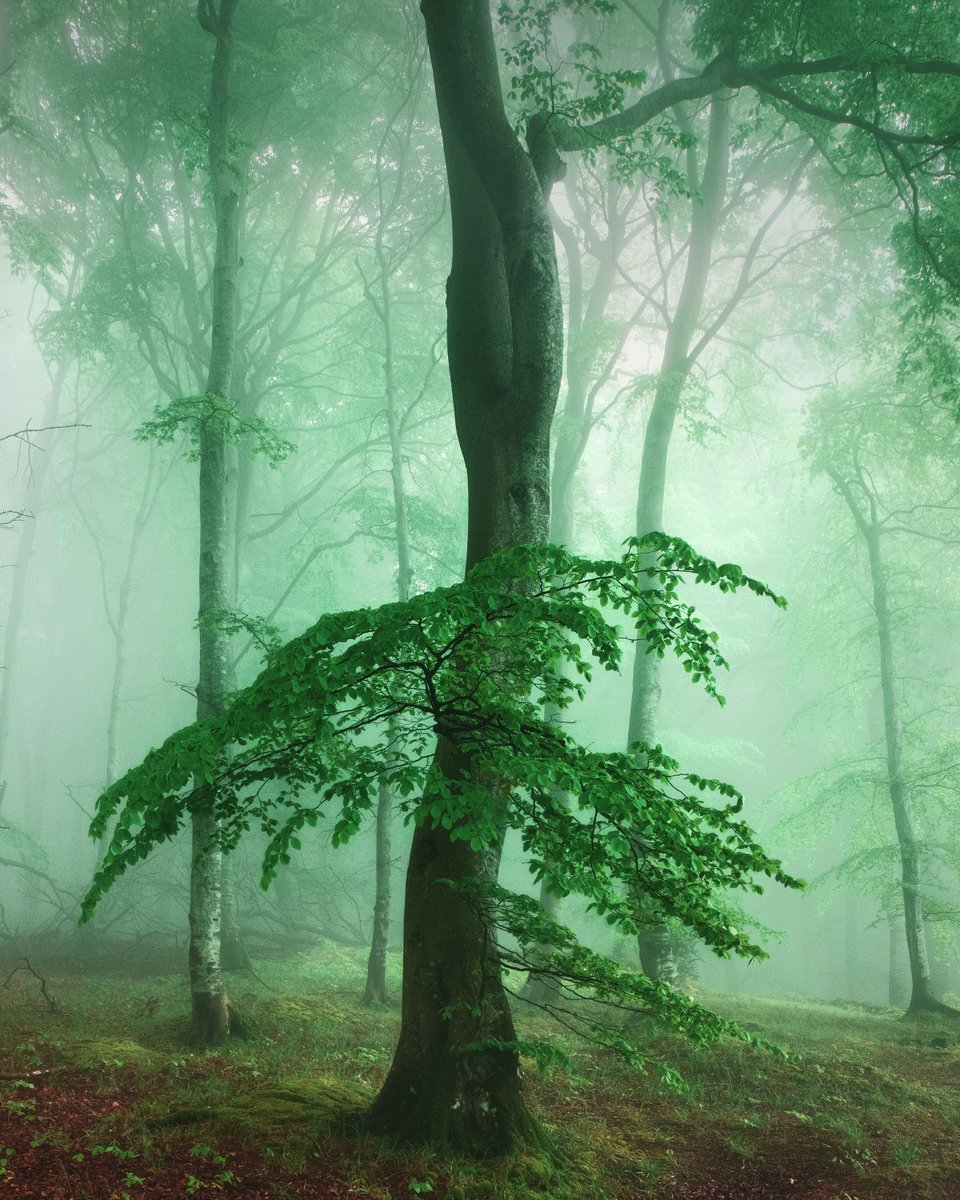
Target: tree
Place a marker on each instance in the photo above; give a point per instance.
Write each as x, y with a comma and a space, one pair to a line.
472, 664
853, 439
211, 1010
504, 351
504, 339
393, 247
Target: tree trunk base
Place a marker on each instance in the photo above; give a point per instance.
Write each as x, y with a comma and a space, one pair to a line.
929, 1007
375, 993
214, 1021
482, 1122
540, 990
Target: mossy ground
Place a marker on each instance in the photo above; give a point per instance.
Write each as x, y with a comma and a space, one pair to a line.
866, 1106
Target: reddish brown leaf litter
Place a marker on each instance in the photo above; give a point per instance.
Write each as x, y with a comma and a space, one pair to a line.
796, 1166
63, 1139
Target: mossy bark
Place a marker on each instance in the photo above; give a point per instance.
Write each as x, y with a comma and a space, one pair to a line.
452, 1081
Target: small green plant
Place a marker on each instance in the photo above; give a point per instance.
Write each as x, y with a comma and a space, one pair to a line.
905, 1155
740, 1146
206, 1153
30, 1053
420, 1187
6, 1154
116, 1152
50, 1137
131, 1180
22, 1108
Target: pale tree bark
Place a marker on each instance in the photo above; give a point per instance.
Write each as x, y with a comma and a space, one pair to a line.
21, 569
117, 612
504, 335
898, 981
908, 837
869, 525
211, 1010
375, 991
655, 943
586, 307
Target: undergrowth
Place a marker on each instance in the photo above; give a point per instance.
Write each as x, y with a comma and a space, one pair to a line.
862, 1102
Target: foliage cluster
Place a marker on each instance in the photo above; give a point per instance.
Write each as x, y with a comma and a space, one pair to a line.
361, 697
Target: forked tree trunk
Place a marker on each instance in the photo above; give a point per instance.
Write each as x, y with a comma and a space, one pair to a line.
505, 342
211, 1010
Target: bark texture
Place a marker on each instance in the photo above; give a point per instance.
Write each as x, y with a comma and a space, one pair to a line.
211, 1011
504, 337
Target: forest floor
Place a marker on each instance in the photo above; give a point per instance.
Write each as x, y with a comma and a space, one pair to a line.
102, 1099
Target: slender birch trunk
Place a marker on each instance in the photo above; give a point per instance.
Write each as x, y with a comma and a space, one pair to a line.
211, 1010
375, 991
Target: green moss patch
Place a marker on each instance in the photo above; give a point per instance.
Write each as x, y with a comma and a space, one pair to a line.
285, 1116
111, 1052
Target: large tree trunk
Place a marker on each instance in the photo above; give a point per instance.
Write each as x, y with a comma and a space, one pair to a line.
504, 338
211, 1012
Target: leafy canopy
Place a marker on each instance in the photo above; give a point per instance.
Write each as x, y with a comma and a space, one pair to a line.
362, 696
570, 82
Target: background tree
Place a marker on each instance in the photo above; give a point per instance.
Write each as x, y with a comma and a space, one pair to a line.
851, 440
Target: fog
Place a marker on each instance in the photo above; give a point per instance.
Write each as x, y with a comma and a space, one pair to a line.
751, 335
